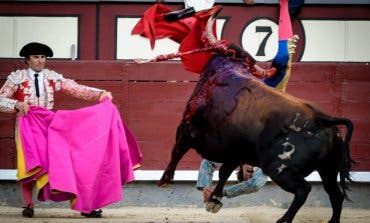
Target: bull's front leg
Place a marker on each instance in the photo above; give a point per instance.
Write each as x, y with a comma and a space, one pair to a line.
178, 151
168, 175
181, 147
214, 204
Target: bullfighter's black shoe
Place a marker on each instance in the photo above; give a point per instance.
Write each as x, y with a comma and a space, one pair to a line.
180, 14
93, 214
28, 212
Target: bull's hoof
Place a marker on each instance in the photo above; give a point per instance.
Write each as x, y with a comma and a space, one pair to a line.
165, 184
282, 221
213, 206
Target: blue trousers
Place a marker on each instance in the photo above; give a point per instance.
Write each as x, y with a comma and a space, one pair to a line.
252, 185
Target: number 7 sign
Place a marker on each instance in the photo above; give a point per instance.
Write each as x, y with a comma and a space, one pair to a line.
260, 39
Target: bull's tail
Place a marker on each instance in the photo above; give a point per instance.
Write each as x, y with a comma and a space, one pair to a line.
346, 162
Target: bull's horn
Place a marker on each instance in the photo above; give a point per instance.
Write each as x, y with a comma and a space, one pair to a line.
208, 32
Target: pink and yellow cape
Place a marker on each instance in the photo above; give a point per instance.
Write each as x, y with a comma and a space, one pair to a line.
82, 155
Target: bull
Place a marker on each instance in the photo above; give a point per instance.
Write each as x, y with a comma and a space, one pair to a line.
234, 118
244, 121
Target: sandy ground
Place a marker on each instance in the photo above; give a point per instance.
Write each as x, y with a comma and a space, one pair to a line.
258, 214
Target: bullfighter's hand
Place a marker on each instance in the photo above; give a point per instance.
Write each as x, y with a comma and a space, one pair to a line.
247, 171
22, 108
105, 94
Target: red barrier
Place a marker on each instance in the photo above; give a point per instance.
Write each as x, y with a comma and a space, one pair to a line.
152, 97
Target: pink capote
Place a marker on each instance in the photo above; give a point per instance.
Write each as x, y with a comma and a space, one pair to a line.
88, 153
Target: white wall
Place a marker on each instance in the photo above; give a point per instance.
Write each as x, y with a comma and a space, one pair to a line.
335, 40
134, 46
60, 33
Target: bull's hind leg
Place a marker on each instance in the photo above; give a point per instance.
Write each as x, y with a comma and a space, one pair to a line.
295, 184
329, 181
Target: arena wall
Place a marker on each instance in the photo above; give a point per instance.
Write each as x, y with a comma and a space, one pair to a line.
331, 67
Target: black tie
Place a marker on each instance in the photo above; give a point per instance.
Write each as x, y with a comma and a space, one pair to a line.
37, 85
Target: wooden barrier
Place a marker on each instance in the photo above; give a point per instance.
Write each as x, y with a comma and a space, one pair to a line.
152, 97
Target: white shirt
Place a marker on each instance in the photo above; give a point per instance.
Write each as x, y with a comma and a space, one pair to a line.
40, 78
199, 5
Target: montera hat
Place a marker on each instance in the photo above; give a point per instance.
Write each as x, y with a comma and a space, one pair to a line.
35, 48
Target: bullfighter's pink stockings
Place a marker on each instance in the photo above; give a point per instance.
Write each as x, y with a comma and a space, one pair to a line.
27, 194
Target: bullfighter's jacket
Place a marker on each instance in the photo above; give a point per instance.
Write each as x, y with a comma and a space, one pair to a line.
20, 87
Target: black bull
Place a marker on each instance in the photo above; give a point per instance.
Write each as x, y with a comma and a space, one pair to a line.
234, 118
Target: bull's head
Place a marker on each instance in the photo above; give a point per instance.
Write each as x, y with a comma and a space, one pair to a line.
232, 50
